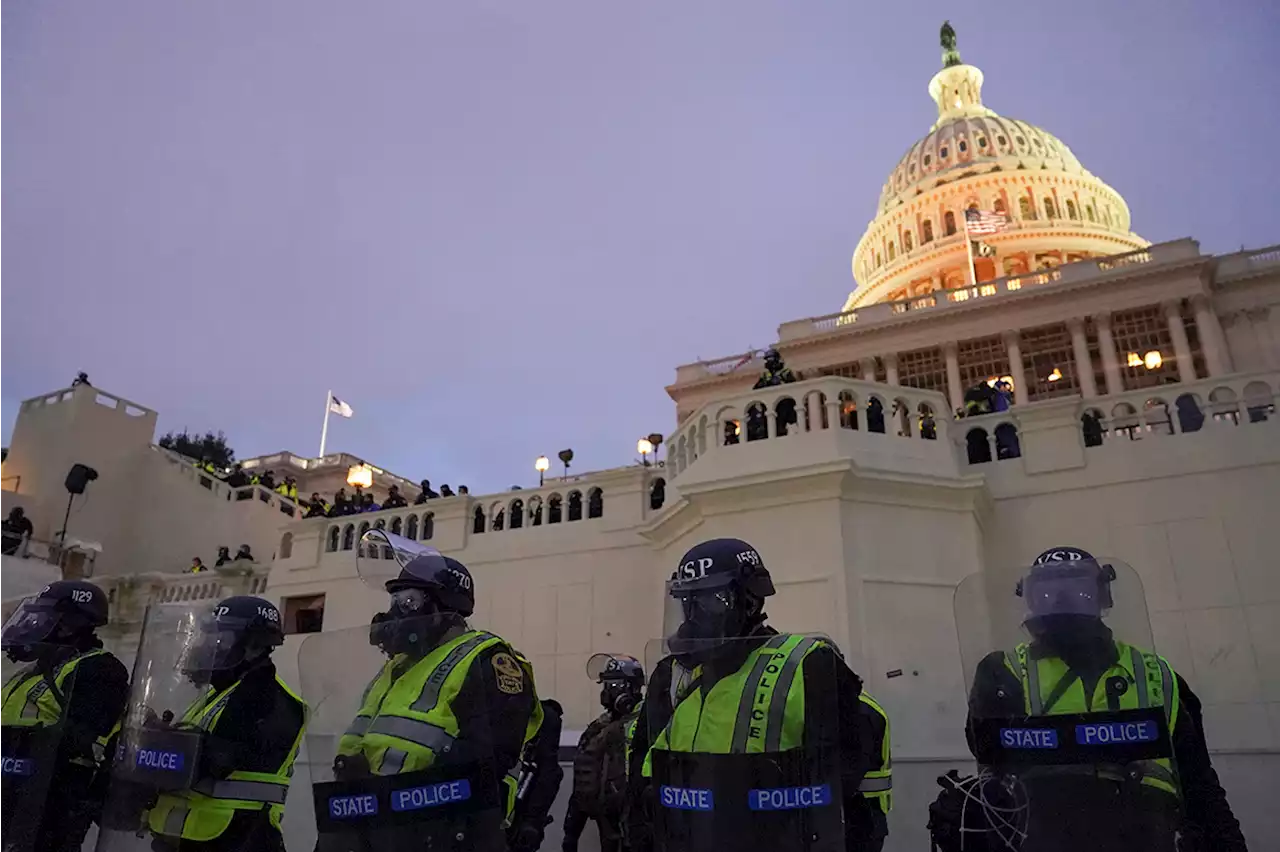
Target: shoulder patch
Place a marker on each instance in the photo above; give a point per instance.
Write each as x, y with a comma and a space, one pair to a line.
509, 675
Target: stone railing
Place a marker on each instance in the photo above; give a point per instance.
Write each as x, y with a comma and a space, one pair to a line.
334, 461
783, 411
747, 363
219, 487
103, 398
129, 595
1243, 400
1179, 250
1246, 263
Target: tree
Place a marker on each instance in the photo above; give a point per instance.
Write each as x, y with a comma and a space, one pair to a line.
211, 447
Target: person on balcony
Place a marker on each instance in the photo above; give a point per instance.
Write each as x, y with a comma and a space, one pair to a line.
316, 507
367, 503
288, 488
224, 556
237, 478
341, 504
395, 500
81, 378
775, 371
197, 566
17, 528
426, 493
244, 553
446, 491
267, 479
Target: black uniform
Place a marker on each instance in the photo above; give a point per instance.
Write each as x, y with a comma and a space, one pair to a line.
538, 791
1207, 814
851, 734
94, 706
491, 719
254, 734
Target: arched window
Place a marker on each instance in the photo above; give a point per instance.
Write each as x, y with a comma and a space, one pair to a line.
286, 545
949, 223
411, 528
429, 526
554, 508
1025, 210
498, 518
998, 205
906, 241
595, 503
926, 231
1072, 213
893, 251
397, 526
575, 505
1050, 211
348, 537
477, 524
879, 263
331, 539
1089, 214
535, 511
517, 514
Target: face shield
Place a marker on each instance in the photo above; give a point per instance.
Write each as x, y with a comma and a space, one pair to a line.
701, 617
33, 622
1077, 588
217, 646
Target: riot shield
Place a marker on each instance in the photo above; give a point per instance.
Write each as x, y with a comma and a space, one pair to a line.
746, 754
40, 752
388, 776
159, 752
1070, 708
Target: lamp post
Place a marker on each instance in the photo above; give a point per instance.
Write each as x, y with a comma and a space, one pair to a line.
566, 456
655, 439
644, 447
541, 466
360, 476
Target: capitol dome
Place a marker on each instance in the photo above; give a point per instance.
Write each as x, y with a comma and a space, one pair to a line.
1055, 210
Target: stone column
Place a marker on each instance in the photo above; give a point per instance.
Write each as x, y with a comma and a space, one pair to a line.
868, 369
891, 369
1084, 366
1107, 348
1181, 348
937, 281
951, 350
1217, 358
1014, 344
1259, 320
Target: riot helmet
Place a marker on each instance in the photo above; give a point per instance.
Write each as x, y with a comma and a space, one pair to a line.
1067, 592
772, 359
65, 613
621, 679
431, 594
719, 588
235, 633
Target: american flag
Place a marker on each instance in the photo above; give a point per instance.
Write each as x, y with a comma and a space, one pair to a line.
980, 222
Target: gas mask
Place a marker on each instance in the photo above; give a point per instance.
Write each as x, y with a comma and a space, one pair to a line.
712, 618
413, 624
618, 697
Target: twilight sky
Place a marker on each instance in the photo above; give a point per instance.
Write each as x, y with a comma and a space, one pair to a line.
495, 228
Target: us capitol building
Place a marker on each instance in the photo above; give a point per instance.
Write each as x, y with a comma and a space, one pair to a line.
1143, 427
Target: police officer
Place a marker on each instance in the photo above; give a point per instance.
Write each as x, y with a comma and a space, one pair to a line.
68, 679
252, 724
445, 689
721, 644
600, 765
1075, 665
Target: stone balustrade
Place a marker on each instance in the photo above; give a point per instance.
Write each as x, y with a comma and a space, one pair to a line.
1246, 263
129, 595
220, 488
1179, 250
790, 410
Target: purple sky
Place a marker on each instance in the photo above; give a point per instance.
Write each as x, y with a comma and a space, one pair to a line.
495, 227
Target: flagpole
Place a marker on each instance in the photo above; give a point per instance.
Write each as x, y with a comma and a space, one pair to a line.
968, 245
324, 430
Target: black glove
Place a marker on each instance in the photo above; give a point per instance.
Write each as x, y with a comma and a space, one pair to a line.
525, 837
349, 767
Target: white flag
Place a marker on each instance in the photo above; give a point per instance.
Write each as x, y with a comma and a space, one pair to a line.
339, 407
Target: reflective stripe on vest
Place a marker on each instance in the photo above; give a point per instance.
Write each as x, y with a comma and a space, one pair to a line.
28, 700
1154, 685
877, 784
205, 811
406, 719
698, 723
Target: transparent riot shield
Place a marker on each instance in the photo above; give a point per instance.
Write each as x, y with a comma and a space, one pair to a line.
1070, 708
746, 754
387, 776
41, 753
158, 752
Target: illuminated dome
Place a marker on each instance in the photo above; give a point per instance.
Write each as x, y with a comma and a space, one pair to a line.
1058, 212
